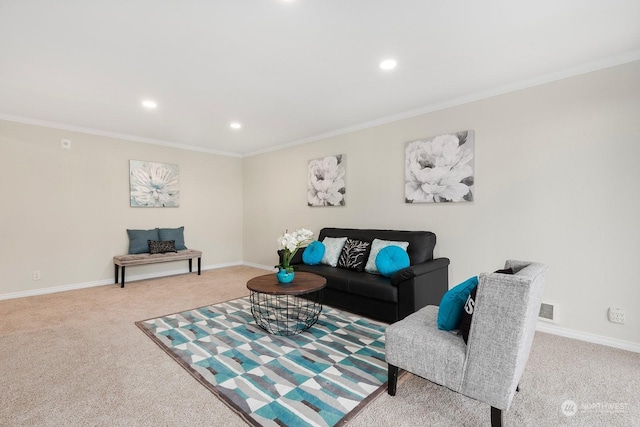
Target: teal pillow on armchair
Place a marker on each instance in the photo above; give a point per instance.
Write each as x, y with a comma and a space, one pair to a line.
452, 304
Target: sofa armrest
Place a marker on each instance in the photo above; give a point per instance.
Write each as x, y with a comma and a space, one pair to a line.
297, 257
421, 285
418, 270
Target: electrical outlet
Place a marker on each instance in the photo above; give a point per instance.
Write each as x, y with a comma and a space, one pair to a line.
616, 315
549, 312
36, 275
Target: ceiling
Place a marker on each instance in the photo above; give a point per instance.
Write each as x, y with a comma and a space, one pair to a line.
290, 71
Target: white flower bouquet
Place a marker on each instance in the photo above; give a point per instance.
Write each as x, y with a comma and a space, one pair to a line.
290, 243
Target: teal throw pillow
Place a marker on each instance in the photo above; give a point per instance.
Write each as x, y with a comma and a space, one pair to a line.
391, 259
175, 234
452, 304
376, 246
139, 240
313, 253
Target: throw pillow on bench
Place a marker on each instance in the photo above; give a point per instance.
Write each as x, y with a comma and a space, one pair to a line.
139, 239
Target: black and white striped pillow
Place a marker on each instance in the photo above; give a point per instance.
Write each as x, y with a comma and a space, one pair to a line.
354, 254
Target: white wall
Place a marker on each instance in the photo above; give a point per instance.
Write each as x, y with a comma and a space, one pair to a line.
556, 182
65, 212
556, 170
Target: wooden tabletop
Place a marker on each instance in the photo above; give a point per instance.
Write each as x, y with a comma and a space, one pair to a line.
303, 283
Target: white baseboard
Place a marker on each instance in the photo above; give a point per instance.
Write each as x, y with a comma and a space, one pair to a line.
54, 289
550, 328
130, 278
260, 266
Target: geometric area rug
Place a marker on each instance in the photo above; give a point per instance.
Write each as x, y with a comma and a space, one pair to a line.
321, 377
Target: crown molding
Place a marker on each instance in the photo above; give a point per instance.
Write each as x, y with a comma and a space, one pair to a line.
525, 84
126, 137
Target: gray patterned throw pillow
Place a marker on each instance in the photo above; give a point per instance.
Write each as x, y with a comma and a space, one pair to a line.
332, 248
157, 247
354, 254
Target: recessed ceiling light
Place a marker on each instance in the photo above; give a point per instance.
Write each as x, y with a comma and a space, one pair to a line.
388, 64
235, 125
147, 103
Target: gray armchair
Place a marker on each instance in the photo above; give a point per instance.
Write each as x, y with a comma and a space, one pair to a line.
487, 368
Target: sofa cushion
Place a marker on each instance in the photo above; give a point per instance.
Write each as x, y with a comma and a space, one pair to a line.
175, 234
336, 277
354, 254
376, 246
139, 240
313, 253
452, 304
421, 243
355, 282
391, 259
372, 286
332, 248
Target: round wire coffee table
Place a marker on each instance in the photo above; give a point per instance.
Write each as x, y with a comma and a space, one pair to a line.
286, 309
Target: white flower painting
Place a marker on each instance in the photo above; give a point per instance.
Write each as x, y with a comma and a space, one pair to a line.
326, 181
440, 169
154, 185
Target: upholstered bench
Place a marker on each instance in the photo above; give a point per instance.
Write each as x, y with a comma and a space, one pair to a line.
143, 259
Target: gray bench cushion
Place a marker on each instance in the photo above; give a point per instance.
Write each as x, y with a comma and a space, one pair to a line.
142, 259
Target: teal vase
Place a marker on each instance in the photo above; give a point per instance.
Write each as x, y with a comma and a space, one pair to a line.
284, 277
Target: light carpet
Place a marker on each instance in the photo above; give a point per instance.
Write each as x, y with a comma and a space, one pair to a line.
320, 377
76, 359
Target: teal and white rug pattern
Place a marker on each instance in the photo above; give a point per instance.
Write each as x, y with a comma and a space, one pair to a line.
320, 377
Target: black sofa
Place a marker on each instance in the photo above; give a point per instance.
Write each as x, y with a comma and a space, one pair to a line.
423, 283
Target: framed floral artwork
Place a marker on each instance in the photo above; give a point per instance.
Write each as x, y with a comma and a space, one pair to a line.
440, 169
326, 185
154, 185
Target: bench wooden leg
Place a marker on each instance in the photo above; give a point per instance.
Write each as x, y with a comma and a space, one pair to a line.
190, 263
117, 268
198, 266
122, 284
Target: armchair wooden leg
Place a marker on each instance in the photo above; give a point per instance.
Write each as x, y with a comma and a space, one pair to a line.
392, 380
496, 417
